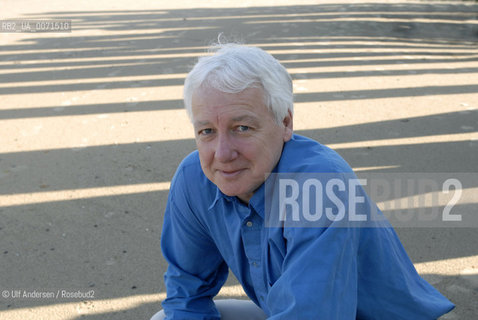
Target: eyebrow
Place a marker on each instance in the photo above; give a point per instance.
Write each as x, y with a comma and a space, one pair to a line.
201, 123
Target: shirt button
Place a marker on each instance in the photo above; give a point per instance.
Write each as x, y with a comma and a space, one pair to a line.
249, 224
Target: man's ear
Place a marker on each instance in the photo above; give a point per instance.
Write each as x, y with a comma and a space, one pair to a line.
288, 126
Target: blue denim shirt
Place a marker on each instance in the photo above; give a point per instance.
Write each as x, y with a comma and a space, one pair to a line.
291, 273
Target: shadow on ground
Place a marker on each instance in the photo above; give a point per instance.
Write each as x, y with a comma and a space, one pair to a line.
106, 226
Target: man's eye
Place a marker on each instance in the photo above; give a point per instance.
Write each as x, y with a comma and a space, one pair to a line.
205, 131
243, 128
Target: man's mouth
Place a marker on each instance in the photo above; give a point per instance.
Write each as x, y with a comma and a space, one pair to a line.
230, 173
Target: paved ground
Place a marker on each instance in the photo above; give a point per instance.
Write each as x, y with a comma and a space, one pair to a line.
92, 129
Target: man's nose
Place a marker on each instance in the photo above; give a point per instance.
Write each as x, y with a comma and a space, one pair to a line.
225, 150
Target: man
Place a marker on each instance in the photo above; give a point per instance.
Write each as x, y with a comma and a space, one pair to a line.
221, 215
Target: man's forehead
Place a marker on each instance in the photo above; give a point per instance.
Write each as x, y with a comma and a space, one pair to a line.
233, 106
207, 93
236, 115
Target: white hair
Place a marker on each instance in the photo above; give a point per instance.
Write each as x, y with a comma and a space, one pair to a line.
233, 68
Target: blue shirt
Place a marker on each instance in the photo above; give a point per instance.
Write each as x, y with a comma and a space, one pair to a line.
291, 273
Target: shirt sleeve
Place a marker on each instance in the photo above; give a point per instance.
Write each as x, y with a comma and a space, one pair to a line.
196, 270
389, 285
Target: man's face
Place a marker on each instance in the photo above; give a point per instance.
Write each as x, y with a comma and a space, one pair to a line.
238, 139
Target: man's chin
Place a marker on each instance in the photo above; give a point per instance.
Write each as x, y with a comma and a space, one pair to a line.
229, 191
234, 192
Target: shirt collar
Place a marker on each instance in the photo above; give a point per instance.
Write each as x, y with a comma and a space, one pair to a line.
256, 202
219, 196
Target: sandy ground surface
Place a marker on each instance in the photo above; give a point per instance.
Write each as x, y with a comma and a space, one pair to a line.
92, 129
